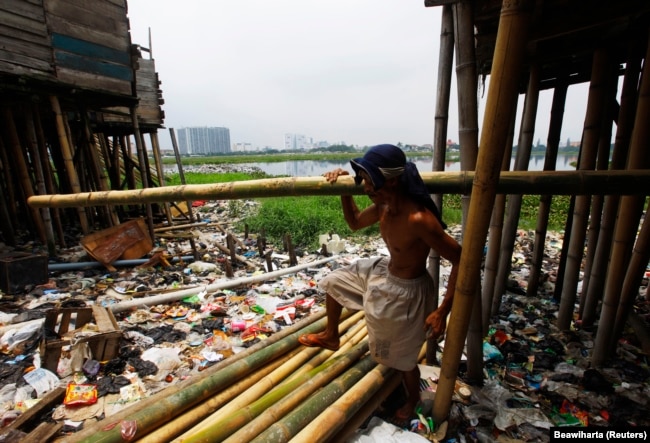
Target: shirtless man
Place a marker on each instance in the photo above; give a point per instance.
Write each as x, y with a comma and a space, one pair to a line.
396, 293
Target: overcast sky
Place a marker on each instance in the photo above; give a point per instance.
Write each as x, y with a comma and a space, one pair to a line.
362, 72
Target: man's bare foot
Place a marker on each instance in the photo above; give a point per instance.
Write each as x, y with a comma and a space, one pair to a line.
404, 414
320, 340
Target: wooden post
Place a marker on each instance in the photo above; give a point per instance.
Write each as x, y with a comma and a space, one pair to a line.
66, 151
155, 146
6, 215
37, 165
514, 201
181, 174
445, 61
629, 213
22, 171
144, 173
624, 127
550, 159
591, 136
512, 37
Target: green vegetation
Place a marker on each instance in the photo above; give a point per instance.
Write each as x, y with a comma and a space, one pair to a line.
305, 218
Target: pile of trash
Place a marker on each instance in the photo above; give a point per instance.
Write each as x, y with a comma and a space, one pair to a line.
177, 316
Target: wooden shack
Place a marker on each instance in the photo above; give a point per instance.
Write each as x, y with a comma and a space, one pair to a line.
76, 96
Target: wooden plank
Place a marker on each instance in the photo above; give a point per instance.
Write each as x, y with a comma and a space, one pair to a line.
94, 14
90, 66
121, 42
20, 34
49, 401
17, 22
28, 50
20, 61
44, 432
91, 50
24, 9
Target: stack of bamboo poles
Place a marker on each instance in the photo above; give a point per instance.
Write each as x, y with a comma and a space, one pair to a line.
275, 391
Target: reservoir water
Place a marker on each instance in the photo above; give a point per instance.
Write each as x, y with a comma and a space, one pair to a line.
310, 168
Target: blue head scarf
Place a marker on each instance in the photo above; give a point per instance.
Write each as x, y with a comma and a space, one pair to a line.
383, 162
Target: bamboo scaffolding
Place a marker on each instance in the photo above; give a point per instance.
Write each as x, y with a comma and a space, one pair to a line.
66, 152
625, 123
522, 160
443, 94
494, 239
602, 163
22, 172
629, 213
591, 137
550, 159
502, 96
515, 182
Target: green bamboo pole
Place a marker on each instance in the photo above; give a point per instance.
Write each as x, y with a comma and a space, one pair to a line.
275, 379
591, 137
288, 426
511, 40
185, 421
514, 182
550, 159
275, 404
169, 403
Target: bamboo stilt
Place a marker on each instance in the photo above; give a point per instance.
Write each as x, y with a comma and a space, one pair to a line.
550, 159
494, 239
514, 201
161, 172
142, 160
47, 172
591, 137
633, 277
6, 208
39, 175
625, 231
22, 171
619, 157
443, 94
66, 152
508, 60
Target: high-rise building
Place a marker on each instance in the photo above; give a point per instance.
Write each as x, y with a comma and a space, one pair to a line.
204, 141
297, 142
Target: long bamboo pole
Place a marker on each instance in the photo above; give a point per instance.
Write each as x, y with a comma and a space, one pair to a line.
625, 123
175, 427
184, 396
21, 169
277, 403
512, 37
294, 368
514, 182
285, 428
629, 213
514, 201
591, 137
66, 152
550, 159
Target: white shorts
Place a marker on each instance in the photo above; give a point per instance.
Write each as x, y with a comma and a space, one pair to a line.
395, 308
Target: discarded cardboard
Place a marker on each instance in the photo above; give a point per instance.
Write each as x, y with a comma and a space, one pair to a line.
127, 241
